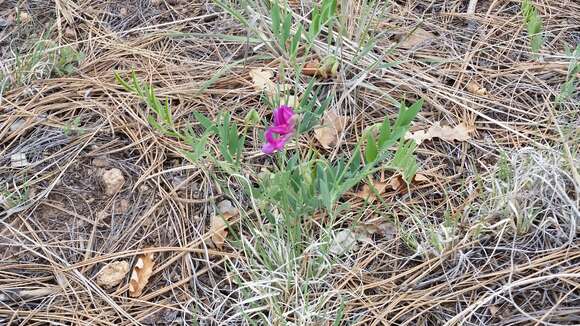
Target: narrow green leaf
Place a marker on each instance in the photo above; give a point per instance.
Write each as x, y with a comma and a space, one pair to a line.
384, 133
206, 123
295, 42
275, 15
406, 115
233, 138
371, 150
285, 34
137, 85
232, 12
314, 25
168, 114
122, 82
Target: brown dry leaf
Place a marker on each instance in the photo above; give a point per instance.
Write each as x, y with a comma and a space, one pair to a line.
458, 133
112, 274
311, 68
332, 124
420, 178
316, 69
367, 193
418, 36
218, 227
474, 88
262, 81
140, 275
397, 183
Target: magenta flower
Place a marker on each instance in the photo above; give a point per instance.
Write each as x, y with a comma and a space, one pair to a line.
283, 127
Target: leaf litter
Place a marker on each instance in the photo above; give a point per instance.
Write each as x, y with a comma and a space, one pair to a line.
417, 37
458, 133
262, 82
218, 223
329, 132
140, 275
395, 183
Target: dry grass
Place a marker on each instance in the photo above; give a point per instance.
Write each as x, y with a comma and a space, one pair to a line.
510, 256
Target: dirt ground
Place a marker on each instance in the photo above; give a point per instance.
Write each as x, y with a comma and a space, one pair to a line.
510, 189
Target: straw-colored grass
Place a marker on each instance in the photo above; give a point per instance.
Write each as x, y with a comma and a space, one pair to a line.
503, 207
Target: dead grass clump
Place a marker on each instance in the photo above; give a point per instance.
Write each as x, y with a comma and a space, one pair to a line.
483, 239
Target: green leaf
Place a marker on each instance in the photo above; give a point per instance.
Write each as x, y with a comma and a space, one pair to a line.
407, 114
285, 35
275, 14
167, 112
233, 139
371, 150
204, 121
155, 124
384, 133
328, 10
232, 12
404, 160
295, 42
137, 85
122, 82
314, 25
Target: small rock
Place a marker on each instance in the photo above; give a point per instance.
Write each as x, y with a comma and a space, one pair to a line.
162, 317
121, 206
24, 17
225, 207
388, 230
123, 12
69, 32
177, 181
99, 162
19, 160
343, 242
101, 215
155, 2
4, 22
17, 125
112, 274
113, 180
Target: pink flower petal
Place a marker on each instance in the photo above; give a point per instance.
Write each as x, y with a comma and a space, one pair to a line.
283, 115
268, 148
283, 126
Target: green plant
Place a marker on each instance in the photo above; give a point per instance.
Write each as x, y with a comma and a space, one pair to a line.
321, 16
534, 25
281, 29
66, 60
15, 198
231, 139
44, 60
570, 87
72, 126
303, 185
